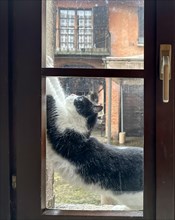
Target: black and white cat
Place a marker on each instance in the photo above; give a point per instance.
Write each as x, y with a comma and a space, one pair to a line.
83, 160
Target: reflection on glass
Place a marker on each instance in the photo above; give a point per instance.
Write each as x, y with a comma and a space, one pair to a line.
108, 34
94, 151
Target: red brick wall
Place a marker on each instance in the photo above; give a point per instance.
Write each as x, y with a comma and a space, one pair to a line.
123, 26
115, 108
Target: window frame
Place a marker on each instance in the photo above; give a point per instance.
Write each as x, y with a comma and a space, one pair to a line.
76, 29
24, 70
95, 34
5, 212
111, 73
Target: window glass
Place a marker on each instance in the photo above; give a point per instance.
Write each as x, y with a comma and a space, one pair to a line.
95, 141
107, 34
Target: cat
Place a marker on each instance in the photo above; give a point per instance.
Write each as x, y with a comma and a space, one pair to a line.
82, 159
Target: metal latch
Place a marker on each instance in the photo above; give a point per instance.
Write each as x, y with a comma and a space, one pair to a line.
165, 69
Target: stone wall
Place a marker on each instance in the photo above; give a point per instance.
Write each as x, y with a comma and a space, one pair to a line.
132, 62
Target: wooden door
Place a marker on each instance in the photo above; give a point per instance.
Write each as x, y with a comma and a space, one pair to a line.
24, 86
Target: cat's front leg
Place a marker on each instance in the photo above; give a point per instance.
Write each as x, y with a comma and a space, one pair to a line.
58, 89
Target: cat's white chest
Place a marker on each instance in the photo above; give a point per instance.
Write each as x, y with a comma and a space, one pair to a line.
64, 167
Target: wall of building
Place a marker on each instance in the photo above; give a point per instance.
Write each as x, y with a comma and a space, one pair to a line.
79, 4
123, 27
136, 62
79, 61
133, 107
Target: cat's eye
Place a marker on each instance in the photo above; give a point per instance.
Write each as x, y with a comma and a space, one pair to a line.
80, 99
79, 103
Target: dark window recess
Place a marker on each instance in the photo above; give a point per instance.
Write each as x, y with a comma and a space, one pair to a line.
101, 33
133, 103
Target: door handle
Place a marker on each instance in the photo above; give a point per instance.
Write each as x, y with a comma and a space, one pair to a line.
165, 70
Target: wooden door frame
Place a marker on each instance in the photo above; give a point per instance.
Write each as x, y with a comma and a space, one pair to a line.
4, 114
26, 64
165, 118
23, 73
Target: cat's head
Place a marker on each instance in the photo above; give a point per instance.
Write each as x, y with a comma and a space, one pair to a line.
83, 110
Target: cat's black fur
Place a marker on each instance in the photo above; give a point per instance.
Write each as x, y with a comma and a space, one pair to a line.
112, 168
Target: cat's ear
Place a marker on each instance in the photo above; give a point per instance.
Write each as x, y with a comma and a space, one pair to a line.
97, 108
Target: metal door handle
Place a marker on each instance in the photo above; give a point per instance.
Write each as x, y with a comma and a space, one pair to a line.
165, 70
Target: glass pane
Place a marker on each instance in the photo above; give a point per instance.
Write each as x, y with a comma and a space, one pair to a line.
116, 30
95, 140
